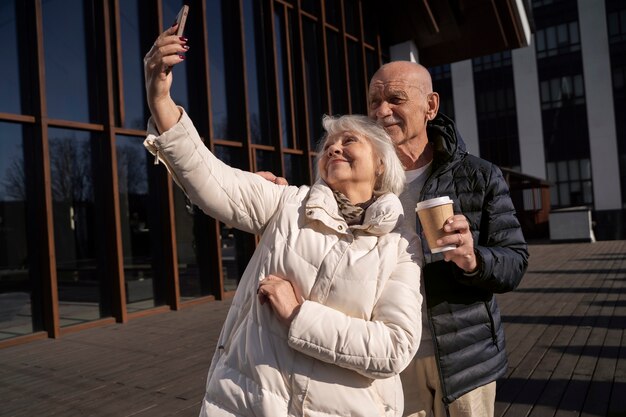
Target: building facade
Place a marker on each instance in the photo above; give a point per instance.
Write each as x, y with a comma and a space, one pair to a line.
553, 110
91, 232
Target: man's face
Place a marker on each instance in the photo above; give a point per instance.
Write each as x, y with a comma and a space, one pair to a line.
397, 104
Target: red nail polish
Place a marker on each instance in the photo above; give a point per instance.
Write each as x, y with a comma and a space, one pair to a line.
182, 38
181, 56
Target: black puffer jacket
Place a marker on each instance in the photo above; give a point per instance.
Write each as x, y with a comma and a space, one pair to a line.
464, 316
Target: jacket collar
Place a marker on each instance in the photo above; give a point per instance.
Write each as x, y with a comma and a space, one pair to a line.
445, 138
381, 217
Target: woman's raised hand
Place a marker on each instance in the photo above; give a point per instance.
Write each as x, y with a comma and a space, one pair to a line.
166, 52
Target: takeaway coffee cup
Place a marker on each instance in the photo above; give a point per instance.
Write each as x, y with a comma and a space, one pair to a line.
433, 214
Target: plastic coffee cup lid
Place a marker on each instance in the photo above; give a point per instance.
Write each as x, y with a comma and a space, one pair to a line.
433, 202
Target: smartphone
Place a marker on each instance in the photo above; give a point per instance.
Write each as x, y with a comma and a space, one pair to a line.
181, 19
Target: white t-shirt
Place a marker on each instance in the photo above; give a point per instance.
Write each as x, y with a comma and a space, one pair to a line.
415, 180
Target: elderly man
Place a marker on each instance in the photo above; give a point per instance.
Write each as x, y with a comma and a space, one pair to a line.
462, 349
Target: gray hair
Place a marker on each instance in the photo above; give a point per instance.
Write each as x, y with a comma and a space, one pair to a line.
393, 179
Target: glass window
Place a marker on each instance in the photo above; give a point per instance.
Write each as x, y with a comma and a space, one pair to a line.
370, 22
131, 27
551, 169
10, 76
266, 161
136, 222
225, 54
258, 91
187, 243
585, 169
78, 232
357, 81
336, 66
179, 90
562, 167
564, 196
295, 169
352, 17
71, 72
284, 95
333, 12
315, 80
15, 285
371, 61
541, 40
310, 6
587, 192
573, 33
574, 172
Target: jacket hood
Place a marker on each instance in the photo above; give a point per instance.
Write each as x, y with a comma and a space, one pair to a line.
381, 217
446, 139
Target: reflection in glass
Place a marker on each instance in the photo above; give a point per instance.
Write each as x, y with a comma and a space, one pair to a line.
186, 246
227, 98
10, 97
282, 68
132, 67
132, 172
15, 286
258, 94
179, 88
313, 72
70, 70
78, 235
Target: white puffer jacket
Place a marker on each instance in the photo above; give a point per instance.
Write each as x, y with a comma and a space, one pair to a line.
360, 321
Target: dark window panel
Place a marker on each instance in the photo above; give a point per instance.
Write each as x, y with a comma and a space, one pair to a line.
16, 287
284, 85
336, 67
315, 80
351, 17
10, 74
132, 26
312, 7
295, 169
70, 62
370, 22
357, 81
179, 91
75, 166
333, 12
259, 103
137, 229
225, 57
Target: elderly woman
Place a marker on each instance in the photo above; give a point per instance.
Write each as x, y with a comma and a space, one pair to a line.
327, 312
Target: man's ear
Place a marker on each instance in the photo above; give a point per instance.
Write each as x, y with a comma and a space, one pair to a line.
433, 105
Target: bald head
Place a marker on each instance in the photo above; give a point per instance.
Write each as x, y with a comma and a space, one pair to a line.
411, 73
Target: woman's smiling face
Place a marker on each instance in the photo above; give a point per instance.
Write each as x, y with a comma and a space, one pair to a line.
348, 164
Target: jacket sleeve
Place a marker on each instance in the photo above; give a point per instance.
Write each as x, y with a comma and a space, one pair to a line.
501, 250
238, 198
377, 348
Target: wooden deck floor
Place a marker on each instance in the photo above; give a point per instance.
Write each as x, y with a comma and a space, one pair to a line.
565, 329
